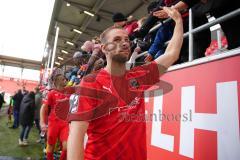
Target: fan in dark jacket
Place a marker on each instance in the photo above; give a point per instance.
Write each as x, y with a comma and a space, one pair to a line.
26, 116
1, 100
16, 107
218, 8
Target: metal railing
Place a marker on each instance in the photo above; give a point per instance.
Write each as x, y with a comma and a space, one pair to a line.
192, 30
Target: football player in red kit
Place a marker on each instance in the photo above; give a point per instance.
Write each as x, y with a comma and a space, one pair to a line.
56, 128
104, 100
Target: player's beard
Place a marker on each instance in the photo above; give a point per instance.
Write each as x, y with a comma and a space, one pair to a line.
119, 58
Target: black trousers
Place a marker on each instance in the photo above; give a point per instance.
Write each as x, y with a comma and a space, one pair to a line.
231, 28
201, 40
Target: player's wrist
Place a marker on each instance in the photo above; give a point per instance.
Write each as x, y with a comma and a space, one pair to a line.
43, 124
179, 21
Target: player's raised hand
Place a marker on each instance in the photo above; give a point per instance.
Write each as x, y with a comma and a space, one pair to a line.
173, 13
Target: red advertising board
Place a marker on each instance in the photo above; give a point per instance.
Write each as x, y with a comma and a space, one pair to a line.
199, 118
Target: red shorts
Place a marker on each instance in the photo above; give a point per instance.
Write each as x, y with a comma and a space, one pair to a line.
57, 130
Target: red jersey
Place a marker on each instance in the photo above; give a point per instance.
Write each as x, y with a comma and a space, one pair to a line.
114, 108
130, 27
54, 98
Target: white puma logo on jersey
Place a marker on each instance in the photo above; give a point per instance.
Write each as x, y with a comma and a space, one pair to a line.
107, 88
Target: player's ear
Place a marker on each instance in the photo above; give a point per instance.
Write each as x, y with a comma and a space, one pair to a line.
103, 48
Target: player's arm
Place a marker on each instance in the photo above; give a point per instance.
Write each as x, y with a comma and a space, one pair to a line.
77, 130
173, 49
43, 117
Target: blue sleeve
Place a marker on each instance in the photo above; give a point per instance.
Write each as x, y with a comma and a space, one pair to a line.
163, 35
